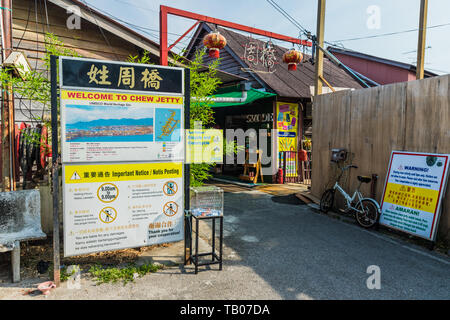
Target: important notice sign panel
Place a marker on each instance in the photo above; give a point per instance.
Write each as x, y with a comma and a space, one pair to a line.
413, 192
116, 206
120, 112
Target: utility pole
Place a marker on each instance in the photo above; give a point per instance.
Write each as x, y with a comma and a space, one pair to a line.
422, 39
320, 41
7, 106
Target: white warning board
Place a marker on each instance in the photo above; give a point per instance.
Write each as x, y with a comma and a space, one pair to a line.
117, 206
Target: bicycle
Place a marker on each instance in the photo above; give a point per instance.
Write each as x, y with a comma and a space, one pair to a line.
366, 210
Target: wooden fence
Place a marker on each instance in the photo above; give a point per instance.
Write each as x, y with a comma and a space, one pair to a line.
370, 123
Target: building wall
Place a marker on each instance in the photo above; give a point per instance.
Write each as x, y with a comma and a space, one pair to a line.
379, 72
29, 28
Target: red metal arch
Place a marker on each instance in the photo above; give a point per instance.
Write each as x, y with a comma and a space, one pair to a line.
165, 11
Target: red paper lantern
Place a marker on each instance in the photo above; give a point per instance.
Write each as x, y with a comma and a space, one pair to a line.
292, 57
214, 41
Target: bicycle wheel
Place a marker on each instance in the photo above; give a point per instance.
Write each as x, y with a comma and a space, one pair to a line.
326, 202
369, 215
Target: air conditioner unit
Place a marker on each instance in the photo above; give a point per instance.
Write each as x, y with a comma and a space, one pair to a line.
18, 62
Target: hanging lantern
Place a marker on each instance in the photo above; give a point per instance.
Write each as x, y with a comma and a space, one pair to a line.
292, 57
214, 41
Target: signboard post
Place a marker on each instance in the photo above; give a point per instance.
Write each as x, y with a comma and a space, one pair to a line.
413, 192
122, 153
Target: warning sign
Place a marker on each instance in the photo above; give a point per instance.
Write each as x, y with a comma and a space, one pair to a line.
116, 206
170, 188
170, 209
414, 187
75, 176
108, 215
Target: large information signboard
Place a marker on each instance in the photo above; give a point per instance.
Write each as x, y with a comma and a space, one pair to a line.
415, 185
113, 111
122, 153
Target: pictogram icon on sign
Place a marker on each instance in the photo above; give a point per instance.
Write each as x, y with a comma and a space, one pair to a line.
170, 188
170, 209
107, 192
75, 176
108, 215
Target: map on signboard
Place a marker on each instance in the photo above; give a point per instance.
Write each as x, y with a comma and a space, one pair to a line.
167, 124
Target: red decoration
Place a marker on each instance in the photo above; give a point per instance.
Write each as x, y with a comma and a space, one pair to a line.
292, 57
302, 155
214, 41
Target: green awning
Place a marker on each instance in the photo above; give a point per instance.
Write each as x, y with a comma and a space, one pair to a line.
252, 95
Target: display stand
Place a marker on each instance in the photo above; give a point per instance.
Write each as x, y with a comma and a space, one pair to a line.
194, 258
252, 170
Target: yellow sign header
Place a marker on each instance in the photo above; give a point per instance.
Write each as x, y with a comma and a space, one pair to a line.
119, 97
411, 197
122, 172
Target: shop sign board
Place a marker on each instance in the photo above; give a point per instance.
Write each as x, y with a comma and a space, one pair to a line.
287, 124
414, 188
122, 147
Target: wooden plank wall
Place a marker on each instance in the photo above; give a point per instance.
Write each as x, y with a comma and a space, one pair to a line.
370, 123
29, 28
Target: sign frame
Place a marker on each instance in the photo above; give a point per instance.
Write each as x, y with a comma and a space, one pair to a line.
62, 58
57, 86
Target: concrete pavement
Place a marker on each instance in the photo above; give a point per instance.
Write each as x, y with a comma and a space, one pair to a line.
276, 250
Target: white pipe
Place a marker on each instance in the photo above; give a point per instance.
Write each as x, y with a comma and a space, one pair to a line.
242, 99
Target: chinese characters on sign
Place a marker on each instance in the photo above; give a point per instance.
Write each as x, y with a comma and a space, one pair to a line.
151, 79
260, 56
82, 73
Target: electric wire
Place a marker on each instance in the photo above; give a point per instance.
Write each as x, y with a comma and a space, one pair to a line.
101, 30
392, 33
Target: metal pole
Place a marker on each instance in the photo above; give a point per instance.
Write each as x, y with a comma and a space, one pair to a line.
320, 41
163, 50
187, 168
55, 169
422, 39
8, 135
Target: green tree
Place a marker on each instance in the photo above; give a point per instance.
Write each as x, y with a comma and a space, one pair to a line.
203, 85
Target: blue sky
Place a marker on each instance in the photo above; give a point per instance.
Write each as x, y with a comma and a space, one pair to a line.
345, 19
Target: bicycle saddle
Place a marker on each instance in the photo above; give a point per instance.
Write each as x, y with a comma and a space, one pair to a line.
364, 179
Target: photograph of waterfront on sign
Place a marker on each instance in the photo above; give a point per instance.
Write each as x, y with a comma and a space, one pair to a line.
108, 124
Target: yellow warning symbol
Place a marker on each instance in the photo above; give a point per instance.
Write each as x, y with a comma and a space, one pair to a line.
75, 176
170, 209
108, 215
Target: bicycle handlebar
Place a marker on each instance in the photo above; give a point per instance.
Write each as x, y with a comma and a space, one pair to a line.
349, 166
